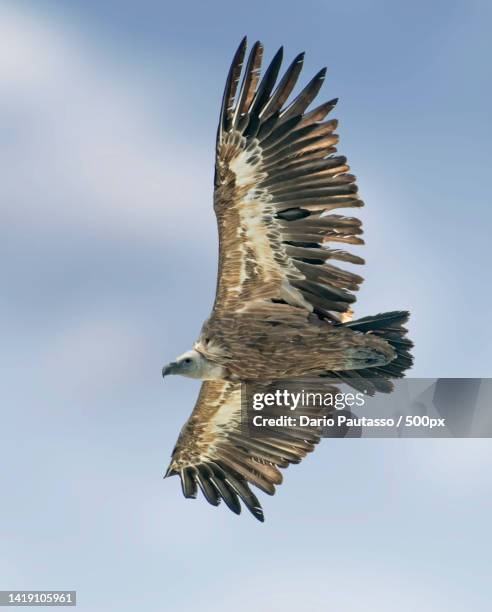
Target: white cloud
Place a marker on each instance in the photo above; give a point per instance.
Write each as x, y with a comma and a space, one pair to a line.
92, 355
80, 142
456, 467
350, 585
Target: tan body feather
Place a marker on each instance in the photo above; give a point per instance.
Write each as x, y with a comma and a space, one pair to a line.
267, 344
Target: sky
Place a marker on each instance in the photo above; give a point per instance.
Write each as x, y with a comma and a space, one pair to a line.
108, 247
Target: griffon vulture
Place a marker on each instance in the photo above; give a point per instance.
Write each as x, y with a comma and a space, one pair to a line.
283, 306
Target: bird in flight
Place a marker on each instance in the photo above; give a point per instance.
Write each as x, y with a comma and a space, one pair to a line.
282, 309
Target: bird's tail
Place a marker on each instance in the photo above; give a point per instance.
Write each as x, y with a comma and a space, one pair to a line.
390, 327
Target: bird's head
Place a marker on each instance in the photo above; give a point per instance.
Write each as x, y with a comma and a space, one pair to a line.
190, 364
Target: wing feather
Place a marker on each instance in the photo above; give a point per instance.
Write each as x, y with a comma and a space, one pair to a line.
284, 88
250, 82
231, 87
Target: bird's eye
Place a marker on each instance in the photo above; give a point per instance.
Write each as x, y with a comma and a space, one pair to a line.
187, 360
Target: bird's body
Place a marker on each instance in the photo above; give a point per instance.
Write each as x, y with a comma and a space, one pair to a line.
283, 306
286, 343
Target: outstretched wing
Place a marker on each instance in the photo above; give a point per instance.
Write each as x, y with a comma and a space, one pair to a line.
277, 181
214, 454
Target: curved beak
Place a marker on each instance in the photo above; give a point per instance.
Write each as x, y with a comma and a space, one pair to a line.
169, 369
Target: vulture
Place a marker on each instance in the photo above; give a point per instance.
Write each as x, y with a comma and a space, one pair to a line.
283, 305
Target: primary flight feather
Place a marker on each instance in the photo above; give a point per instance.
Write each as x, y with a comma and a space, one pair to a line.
283, 305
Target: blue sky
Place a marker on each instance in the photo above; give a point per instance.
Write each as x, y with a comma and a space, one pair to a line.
108, 117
